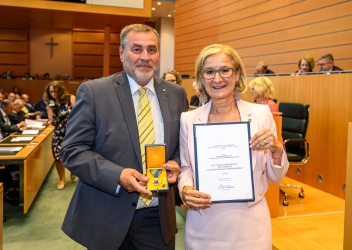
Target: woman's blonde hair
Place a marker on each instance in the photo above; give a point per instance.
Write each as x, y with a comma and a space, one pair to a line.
263, 86
231, 53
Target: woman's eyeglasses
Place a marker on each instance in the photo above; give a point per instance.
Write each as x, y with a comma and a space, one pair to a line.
209, 74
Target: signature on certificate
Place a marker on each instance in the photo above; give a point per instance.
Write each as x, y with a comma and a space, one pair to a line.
225, 186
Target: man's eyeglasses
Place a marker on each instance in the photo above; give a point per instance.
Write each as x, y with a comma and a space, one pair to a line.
209, 74
321, 64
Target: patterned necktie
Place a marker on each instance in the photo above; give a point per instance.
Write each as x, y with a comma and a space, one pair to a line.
146, 132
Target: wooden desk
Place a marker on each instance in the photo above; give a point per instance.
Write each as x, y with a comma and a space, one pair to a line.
35, 160
2, 213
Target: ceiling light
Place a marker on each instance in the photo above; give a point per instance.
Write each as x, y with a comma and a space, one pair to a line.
159, 3
153, 8
169, 15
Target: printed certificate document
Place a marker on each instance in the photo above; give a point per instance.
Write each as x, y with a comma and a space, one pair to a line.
223, 161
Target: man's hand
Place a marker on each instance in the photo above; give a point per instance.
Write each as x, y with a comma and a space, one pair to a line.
133, 181
173, 170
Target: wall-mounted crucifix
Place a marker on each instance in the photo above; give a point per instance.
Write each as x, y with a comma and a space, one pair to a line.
52, 44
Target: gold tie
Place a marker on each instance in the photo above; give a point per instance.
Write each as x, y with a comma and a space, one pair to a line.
146, 132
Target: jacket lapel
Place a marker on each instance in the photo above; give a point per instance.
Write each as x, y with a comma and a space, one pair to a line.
246, 114
124, 95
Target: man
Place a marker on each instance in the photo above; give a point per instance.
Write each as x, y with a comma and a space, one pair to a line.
102, 148
28, 106
6, 107
195, 99
11, 96
326, 64
17, 115
262, 69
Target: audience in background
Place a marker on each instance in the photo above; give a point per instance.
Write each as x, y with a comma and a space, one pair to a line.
195, 99
262, 69
262, 91
11, 96
40, 107
172, 76
326, 64
8, 75
6, 107
66, 77
306, 65
27, 76
28, 106
1, 97
17, 115
46, 76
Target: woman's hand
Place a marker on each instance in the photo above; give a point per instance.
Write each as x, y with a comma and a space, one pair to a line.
195, 199
265, 139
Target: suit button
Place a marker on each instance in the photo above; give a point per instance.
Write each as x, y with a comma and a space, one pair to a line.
263, 171
134, 204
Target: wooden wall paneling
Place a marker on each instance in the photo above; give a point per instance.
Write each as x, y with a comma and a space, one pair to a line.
14, 51
115, 61
88, 36
91, 72
12, 34
278, 33
88, 48
12, 46
347, 243
87, 60
13, 59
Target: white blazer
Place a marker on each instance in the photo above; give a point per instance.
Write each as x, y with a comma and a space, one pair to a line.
264, 170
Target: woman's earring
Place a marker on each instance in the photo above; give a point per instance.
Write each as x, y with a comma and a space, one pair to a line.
237, 95
203, 97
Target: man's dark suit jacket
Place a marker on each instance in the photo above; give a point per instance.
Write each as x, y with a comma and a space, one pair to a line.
101, 140
6, 129
194, 101
16, 118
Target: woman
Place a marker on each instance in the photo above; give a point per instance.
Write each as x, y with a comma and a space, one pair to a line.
306, 65
172, 76
232, 225
59, 105
262, 90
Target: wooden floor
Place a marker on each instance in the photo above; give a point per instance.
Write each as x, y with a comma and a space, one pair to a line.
314, 222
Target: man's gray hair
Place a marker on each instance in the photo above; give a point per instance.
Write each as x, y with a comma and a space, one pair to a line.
135, 28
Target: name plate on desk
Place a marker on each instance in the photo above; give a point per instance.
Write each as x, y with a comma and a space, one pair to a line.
155, 156
223, 161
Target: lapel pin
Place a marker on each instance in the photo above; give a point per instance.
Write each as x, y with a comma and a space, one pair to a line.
164, 90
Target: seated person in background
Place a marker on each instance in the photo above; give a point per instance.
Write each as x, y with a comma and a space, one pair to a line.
6, 107
16, 90
262, 90
326, 64
9, 75
40, 106
28, 106
172, 76
27, 76
46, 76
262, 69
11, 96
195, 99
17, 115
66, 77
1, 97
306, 65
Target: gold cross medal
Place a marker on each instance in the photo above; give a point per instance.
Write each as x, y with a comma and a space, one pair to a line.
155, 156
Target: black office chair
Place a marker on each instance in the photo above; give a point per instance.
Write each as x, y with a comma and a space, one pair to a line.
295, 117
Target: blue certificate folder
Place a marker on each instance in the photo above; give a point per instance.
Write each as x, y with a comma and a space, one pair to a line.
223, 161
